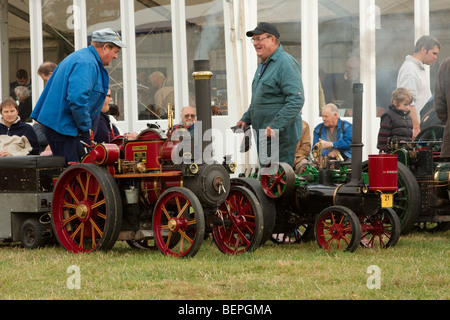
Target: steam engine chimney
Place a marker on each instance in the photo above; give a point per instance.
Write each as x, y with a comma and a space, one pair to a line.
357, 144
202, 76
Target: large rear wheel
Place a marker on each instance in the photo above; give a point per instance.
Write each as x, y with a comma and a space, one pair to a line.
86, 209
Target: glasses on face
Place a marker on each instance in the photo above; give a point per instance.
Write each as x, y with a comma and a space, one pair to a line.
187, 116
259, 39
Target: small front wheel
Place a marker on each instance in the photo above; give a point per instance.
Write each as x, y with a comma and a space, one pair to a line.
33, 234
380, 230
337, 228
240, 222
178, 223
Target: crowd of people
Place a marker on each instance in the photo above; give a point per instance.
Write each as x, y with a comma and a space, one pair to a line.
76, 102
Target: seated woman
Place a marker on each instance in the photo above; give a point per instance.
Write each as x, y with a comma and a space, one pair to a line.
105, 130
11, 128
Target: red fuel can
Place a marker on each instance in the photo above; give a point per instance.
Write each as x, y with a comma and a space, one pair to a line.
383, 173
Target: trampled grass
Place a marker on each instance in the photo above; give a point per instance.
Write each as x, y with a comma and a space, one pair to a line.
417, 268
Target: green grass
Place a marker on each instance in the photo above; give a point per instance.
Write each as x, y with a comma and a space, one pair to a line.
417, 268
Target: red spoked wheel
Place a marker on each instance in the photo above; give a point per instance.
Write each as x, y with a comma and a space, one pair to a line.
86, 209
337, 228
380, 230
278, 180
240, 222
178, 223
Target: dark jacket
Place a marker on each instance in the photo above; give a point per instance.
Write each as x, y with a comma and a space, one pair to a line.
394, 125
442, 103
103, 132
20, 129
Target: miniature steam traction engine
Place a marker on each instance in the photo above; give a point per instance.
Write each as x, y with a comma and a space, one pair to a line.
135, 191
343, 206
424, 181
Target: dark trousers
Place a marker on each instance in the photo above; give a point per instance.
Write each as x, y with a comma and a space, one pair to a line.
67, 146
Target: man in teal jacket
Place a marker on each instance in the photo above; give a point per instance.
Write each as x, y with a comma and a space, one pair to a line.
277, 97
73, 97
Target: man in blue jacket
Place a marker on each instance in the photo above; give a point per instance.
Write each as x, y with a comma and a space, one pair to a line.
335, 135
74, 95
277, 96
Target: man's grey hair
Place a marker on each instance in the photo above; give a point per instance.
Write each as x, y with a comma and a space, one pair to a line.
22, 92
331, 107
182, 109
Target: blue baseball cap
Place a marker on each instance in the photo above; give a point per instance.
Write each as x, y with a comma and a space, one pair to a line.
108, 35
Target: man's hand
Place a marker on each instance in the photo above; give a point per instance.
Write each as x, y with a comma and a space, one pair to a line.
270, 132
325, 144
415, 121
241, 124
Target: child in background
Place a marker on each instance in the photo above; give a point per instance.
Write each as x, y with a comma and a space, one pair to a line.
396, 123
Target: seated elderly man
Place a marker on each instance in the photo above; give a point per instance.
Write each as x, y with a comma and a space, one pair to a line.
188, 119
334, 134
16, 137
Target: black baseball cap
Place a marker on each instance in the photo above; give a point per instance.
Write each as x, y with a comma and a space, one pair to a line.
264, 27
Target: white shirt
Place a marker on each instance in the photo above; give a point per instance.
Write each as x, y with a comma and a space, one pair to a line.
412, 75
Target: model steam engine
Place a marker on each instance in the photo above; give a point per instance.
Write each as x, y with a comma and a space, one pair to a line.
149, 192
336, 201
151, 189
424, 181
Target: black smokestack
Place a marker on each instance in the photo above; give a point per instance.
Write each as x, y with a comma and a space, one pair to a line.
202, 76
357, 144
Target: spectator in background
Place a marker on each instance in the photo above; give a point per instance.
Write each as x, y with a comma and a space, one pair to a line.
396, 123
412, 76
11, 129
164, 94
343, 88
22, 79
114, 114
188, 119
45, 70
303, 149
334, 135
24, 102
106, 130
